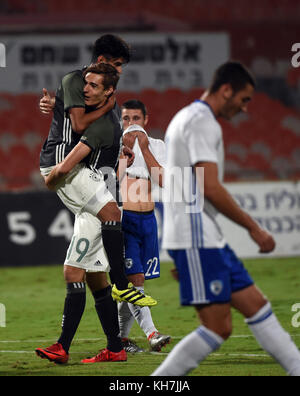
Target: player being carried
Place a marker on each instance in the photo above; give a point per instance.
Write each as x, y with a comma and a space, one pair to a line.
70, 162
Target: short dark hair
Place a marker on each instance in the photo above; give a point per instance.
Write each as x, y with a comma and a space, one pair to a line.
134, 104
111, 47
110, 74
233, 73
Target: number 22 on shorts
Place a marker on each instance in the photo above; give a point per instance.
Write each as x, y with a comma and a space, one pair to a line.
152, 267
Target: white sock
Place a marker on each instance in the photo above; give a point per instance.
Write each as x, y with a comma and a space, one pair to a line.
189, 352
143, 317
126, 319
275, 340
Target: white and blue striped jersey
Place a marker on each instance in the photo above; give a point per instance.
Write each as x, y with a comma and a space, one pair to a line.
193, 136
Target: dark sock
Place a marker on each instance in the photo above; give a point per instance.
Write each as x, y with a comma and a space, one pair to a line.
73, 311
113, 242
111, 278
107, 311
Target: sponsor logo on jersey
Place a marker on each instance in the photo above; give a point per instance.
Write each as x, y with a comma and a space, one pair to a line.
95, 176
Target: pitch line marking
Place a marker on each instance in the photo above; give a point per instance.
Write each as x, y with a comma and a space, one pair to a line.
250, 355
103, 339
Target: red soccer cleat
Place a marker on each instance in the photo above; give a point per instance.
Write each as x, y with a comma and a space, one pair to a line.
107, 356
55, 353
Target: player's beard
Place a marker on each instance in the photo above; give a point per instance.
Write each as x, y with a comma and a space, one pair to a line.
230, 109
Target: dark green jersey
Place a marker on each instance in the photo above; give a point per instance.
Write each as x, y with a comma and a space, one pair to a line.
61, 138
103, 136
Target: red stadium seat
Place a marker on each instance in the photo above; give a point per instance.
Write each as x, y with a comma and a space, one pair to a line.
268, 133
197, 13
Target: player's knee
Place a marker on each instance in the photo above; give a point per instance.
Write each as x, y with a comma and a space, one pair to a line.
115, 214
226, 331
73, 274
110, 212
223, 329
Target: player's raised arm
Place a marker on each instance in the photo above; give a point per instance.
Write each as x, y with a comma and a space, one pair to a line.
96, 92
125, 161
81, 120
155, 169
79, 152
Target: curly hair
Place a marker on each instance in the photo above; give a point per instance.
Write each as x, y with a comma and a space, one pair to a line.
111, 46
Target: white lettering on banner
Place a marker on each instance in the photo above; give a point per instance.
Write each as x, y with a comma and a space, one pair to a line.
283, 198
2, 315
276, 207
272, 200
50, 54
280, 225
169, 49
62, 225
22, 233
160, 61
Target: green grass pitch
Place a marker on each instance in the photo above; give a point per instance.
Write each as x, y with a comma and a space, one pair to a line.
34, 297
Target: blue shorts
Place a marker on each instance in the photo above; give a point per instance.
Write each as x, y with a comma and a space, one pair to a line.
141, 244
209, 275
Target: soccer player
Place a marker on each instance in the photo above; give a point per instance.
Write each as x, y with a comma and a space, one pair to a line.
139, 222
211, 276
77, 190
70, 120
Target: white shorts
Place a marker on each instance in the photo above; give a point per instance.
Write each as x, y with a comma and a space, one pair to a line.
83, 190
86, 249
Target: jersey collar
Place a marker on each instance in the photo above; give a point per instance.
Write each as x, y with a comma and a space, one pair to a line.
205, 103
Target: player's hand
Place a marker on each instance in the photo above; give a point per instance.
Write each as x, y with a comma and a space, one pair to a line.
129, 155
143, 140
48, 183
110, 103
263, 239
129, 139
47, 103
